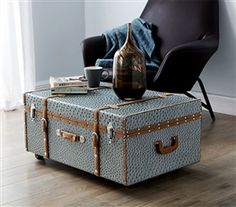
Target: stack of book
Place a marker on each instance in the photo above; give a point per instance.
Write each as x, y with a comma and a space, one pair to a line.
68, 85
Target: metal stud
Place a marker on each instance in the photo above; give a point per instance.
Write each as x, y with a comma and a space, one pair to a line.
177, 122
58, 132
82, 139
149, 127
168, 125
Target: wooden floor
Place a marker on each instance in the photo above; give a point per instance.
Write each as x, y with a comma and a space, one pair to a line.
28, 182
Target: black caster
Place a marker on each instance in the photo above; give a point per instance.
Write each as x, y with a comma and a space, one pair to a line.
39, 157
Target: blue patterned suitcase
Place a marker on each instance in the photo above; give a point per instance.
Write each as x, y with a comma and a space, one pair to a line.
126, 142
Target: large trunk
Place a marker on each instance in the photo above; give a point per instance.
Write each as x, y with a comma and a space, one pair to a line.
126, 142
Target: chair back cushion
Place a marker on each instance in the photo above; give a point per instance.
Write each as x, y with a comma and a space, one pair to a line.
181, 21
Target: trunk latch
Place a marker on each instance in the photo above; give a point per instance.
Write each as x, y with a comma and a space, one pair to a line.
32, 112
110, 132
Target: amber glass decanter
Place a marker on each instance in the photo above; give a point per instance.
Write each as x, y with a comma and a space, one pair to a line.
129, 71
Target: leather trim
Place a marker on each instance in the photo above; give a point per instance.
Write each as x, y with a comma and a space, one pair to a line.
125, 178
164, 107
163, 125
25, 120
96, 143
45, 128
45, 124
122, 133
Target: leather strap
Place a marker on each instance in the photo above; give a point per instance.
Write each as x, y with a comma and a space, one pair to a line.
45, 124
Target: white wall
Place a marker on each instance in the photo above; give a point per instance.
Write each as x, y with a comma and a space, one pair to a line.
219, 75
102, 15
58, 31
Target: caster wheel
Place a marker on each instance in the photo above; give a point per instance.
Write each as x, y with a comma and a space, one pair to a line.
39, 157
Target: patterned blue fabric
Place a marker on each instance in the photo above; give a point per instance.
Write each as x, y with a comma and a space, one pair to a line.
142, 36
125, 160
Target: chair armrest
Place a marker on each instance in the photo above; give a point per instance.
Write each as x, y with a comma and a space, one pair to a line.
92, 49
210, 42
184, 63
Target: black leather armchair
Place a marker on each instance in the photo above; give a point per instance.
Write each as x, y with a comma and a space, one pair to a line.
187, 35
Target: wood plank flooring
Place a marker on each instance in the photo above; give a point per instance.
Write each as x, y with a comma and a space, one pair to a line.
26, 181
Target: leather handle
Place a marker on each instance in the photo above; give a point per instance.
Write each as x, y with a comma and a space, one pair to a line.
167, 149
68, 135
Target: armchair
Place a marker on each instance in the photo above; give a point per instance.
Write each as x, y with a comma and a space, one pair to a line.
187, 35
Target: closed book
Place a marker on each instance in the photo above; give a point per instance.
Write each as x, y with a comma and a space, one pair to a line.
80, 87
67, 81
69, 90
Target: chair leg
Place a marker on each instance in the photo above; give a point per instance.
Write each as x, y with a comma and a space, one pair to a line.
208, 104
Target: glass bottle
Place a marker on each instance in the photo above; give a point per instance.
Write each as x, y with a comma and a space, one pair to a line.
129, 71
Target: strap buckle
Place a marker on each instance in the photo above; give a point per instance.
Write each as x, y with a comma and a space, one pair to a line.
44, 124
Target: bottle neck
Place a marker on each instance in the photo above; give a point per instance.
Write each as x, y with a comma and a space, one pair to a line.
129, 34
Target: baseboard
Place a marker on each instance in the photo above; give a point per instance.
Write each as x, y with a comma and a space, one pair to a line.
40, 85
220, 104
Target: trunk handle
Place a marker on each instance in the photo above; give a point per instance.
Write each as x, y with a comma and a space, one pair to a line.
167, 149
70, 136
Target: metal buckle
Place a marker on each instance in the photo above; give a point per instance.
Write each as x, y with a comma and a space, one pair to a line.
44, 124
95, 134
82, 139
